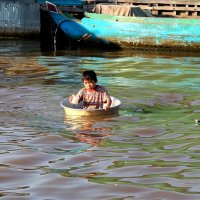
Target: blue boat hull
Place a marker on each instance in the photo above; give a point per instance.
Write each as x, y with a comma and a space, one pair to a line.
140, 31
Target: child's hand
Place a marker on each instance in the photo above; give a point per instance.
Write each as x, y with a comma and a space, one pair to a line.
108, 104
70, 98
73, 99
107, 108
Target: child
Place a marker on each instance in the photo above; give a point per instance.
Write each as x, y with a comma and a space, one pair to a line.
92, 95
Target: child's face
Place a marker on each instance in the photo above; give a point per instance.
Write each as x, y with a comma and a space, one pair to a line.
89, 84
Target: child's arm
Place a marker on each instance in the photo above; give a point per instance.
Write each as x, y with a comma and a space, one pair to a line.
108, 104
75, 99
70, 98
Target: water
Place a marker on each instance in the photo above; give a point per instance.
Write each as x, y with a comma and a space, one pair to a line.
149, 151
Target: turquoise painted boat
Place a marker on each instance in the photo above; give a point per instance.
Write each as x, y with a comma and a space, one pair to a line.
130, 32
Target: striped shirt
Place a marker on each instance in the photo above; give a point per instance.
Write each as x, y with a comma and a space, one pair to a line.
93, 100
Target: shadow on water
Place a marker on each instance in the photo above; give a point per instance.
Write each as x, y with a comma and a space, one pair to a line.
10, 46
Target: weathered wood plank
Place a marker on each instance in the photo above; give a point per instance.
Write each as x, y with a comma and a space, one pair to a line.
168, 8
175, 8
191, 2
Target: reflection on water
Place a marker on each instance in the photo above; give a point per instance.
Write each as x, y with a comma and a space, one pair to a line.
149, 151
90, 129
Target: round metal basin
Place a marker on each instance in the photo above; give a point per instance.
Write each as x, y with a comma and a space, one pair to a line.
72, 109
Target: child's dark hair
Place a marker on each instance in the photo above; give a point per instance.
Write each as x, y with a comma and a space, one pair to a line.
89, 75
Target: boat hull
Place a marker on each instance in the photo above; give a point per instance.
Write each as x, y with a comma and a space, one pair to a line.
130, 32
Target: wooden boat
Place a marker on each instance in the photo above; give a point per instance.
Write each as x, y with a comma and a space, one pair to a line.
77, 110
123, 32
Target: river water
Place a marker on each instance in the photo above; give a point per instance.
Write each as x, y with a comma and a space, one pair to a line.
150, 150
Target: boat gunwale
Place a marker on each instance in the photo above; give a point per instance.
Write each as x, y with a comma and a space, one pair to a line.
129, 19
